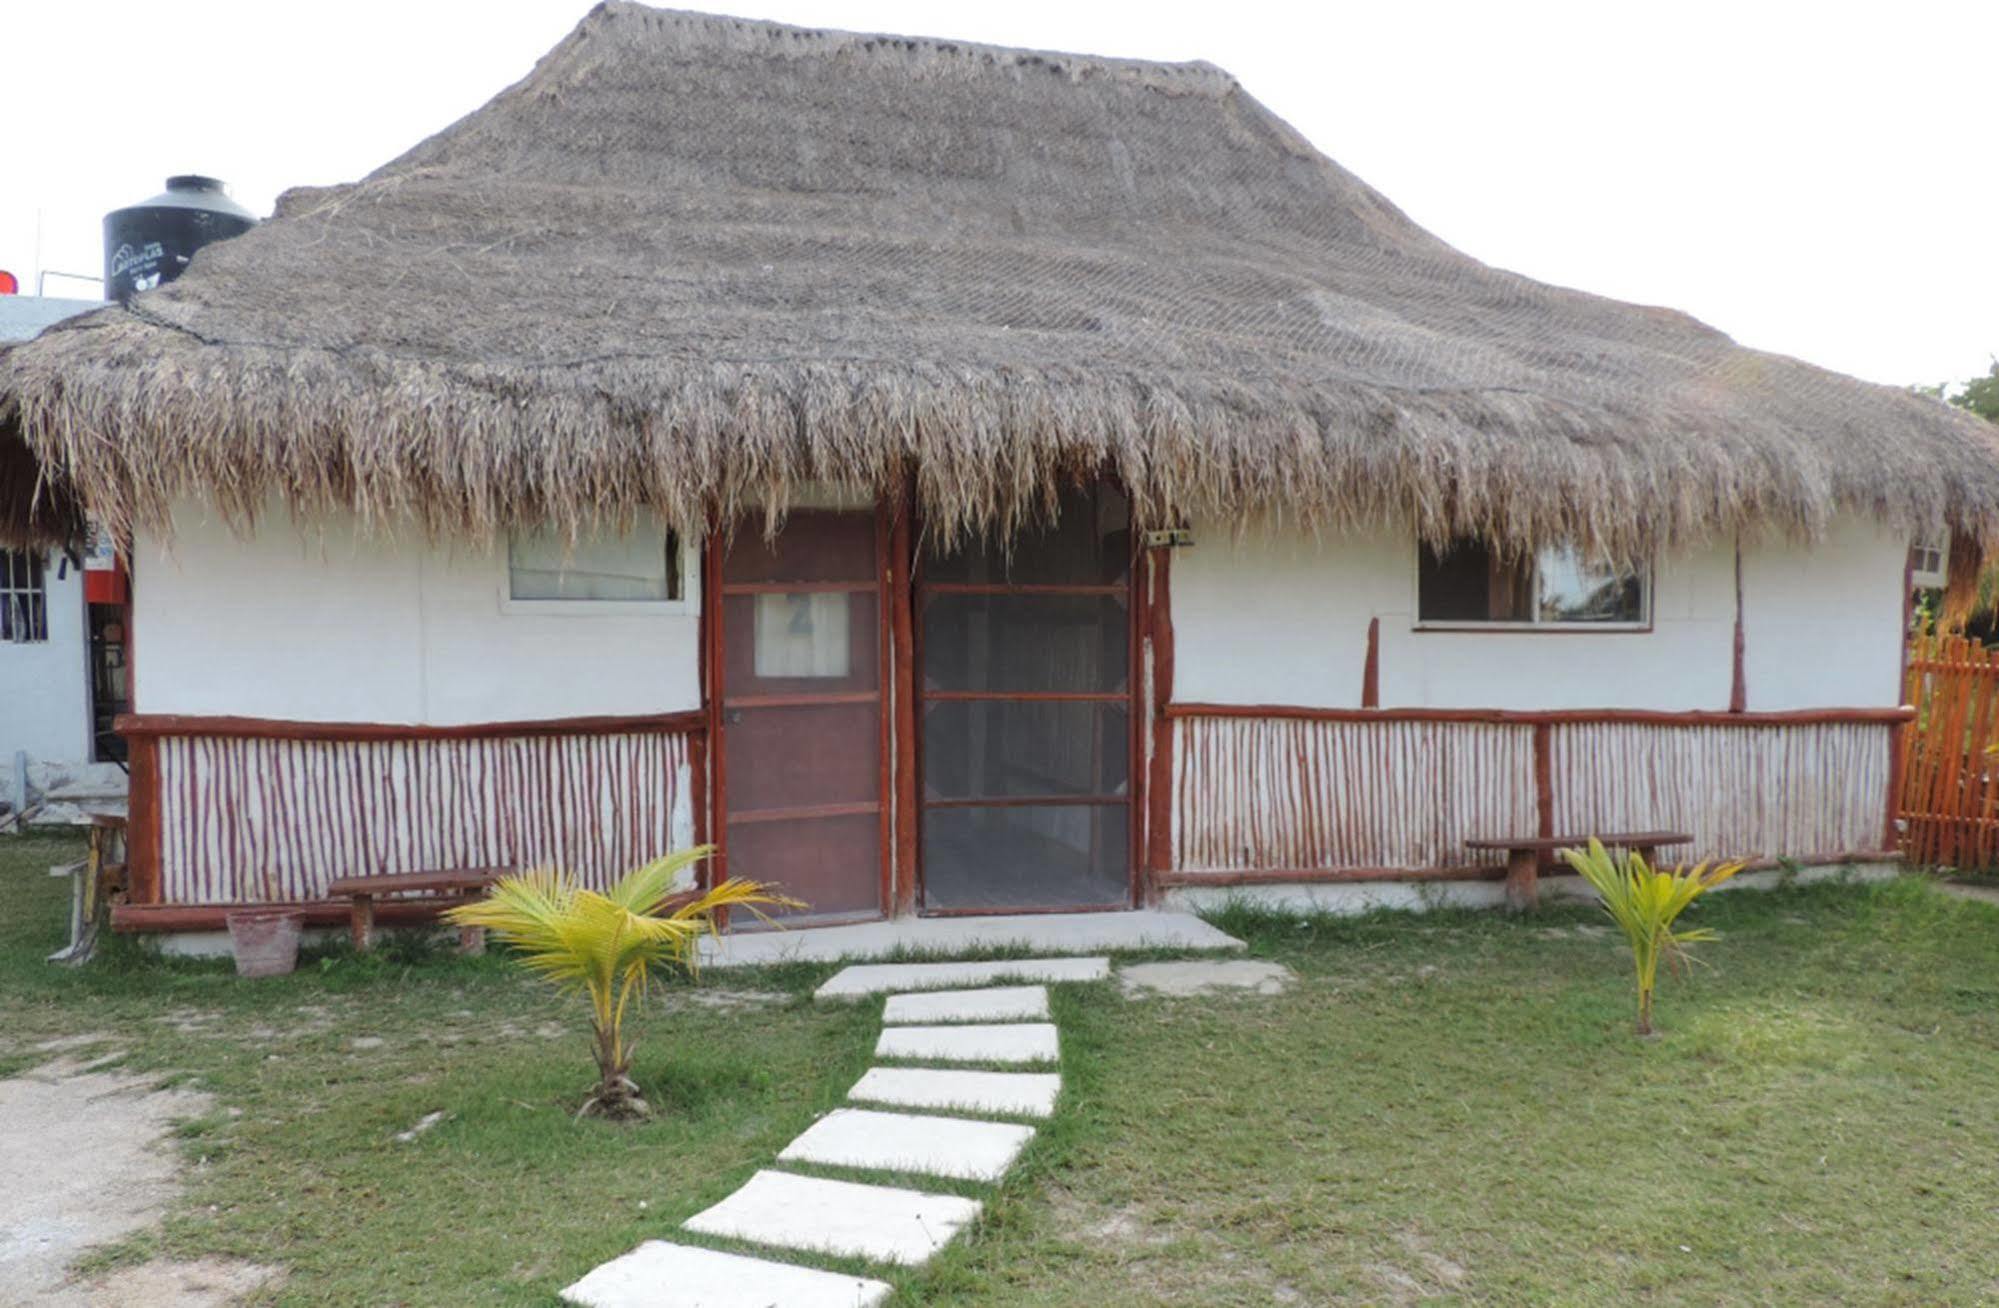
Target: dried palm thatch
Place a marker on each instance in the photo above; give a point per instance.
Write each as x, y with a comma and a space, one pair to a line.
690, 263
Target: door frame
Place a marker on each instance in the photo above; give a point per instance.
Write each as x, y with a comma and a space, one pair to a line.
1138, 596
714, 814
898, 539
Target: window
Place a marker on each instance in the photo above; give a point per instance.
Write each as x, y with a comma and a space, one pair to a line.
1471, 583
1929, 563
640, 567
24, 600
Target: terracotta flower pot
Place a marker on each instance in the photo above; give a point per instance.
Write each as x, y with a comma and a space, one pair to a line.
265, 940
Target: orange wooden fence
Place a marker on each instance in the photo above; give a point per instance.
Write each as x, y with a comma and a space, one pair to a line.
1950, 754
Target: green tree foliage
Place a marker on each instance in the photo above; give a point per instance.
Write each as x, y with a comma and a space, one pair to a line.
1980, 395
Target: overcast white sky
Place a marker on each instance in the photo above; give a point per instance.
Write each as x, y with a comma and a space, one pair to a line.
1814, 178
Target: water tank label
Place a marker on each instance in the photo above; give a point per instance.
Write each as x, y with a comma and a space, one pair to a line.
144, 261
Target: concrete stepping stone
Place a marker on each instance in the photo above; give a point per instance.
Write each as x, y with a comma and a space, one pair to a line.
876, 1222
865, 979
908, 1142
994, 1004
662, 1275
1010, 1094
1015, 1042
1203, 976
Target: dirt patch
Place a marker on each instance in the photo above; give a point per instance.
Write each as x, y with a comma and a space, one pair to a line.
164, 1283
735, 998
1425, 1275
84, 1160
65, 1044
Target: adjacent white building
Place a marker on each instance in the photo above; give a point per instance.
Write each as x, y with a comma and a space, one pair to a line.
46, 702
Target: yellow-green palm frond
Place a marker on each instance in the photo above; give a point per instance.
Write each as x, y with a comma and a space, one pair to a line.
1645, 902
646, 887
606, 943
736, 892
575, 936
530, 908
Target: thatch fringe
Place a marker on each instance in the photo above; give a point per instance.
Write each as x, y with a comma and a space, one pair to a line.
467, 453
1963, 582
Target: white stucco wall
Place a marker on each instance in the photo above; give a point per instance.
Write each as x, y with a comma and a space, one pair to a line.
44, 685
336, 625
343, 626
1267, 616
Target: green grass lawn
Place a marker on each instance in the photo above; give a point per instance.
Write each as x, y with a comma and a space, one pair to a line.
1444, 1108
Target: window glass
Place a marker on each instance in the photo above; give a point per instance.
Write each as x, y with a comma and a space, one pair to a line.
803, 634
24, 607
1571, 589
640, 565
1469, 581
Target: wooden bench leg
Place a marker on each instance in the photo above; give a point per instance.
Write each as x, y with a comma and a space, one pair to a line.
1523, 879
471, 940
361, 922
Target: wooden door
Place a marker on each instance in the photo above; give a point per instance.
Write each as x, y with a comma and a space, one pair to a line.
1025, 679
803, 725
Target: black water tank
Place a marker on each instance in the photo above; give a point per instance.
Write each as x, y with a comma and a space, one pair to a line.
149, 244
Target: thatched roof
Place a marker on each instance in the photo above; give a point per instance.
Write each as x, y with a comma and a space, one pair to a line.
690, 262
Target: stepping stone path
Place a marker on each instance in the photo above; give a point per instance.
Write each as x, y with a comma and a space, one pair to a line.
1201, 976
935, 1013
999, 1004
1008, 1094
866, 979
909, 1142
1024, 1042
838, 1217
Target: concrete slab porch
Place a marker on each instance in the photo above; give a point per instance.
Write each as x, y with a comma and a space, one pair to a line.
946, 937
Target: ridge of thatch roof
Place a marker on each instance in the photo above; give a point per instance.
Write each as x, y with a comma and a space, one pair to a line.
689, 263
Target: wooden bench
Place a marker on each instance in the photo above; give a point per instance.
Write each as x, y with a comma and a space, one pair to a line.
1524, 854
447, 887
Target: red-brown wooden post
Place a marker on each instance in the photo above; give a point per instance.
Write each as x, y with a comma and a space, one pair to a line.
712, 690
1738, 690
902, 613
142, 833
1523, 879
1159, 780
1370, 670
1523, 868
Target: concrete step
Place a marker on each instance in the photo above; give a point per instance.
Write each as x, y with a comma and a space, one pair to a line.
808, 1213
1008, 1094
865, 979
662, 1275
993, 1004
909, 1142
1013, 1042
1051, 934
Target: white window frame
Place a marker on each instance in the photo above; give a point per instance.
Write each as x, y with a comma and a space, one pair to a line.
1651, 577
1936, 578
687, 606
